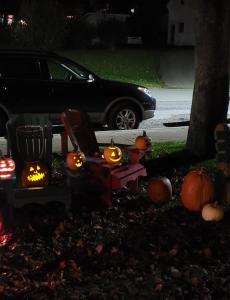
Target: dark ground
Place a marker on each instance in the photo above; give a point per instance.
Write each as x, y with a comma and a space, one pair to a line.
134, 250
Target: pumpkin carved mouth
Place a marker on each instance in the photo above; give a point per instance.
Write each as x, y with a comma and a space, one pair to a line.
78, 164
37, 176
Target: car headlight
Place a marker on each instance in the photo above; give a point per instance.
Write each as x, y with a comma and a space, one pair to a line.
145, 91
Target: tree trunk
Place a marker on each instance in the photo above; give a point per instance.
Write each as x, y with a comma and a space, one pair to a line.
211, 88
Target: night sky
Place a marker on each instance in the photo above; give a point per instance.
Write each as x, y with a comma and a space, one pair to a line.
116, 6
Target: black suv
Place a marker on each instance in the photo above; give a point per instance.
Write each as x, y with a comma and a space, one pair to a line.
44, 82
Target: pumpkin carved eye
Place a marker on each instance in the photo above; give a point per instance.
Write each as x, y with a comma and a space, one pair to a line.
31, 169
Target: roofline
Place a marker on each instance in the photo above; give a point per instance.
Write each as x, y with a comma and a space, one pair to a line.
28, 51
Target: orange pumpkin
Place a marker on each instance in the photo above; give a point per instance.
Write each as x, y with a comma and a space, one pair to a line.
112, 154
75, 160
143, 142
197, 190
212, 212
34, 174
159, 189
7, 166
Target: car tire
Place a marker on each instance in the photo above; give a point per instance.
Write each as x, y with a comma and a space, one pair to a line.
124, 116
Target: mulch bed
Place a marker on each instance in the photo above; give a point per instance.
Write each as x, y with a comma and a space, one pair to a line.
134, 250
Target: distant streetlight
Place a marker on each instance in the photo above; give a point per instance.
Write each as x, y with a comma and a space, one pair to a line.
132, 10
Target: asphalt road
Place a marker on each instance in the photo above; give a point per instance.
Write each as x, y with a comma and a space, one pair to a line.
173, 105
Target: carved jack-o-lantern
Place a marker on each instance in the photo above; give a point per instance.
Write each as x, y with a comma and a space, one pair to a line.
112, 154
75, 160
34, 174
143, 142
7, 166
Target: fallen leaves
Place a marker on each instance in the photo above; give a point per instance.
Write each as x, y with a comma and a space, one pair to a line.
130, 251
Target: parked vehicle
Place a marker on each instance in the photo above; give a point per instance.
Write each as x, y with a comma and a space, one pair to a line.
44, 82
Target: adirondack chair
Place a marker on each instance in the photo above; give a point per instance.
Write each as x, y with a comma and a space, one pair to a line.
29, 139
112, 177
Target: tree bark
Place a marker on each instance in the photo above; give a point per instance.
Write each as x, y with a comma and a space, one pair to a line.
211, 87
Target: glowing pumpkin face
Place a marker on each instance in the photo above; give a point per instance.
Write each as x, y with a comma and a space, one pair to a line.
112, 154
34, 174
75, 160
7, 167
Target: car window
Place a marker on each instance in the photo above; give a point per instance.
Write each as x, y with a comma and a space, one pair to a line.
20, 68
64, 71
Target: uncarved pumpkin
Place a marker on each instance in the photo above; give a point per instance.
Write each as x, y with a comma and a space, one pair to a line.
197, 190
212, 212
159, 190
143, 142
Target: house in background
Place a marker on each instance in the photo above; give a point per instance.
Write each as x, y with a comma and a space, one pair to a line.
180, 23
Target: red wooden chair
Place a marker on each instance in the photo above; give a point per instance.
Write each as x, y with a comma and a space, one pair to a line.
112, 177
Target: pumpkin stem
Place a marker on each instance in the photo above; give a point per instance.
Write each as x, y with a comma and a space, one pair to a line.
75, 147
144, 133
112, 142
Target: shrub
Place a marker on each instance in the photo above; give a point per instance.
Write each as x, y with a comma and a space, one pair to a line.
79, 34
112, 33
45, 25
5, 35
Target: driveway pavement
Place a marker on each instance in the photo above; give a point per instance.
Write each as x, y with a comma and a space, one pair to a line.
127, 137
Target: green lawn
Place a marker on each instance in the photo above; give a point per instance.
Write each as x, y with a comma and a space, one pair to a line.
133, 65
163, 149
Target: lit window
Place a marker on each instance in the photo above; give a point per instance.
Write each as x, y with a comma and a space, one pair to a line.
10, 19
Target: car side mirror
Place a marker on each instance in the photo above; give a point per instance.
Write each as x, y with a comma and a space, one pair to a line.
91, 78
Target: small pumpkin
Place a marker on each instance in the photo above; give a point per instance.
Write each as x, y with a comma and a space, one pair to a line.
7, 166
143, 142
159, 190
75, 160
34, 174
112, 154
197, 190
212, 212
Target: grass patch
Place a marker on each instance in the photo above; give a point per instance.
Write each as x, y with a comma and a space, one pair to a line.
164, 149
131, 65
